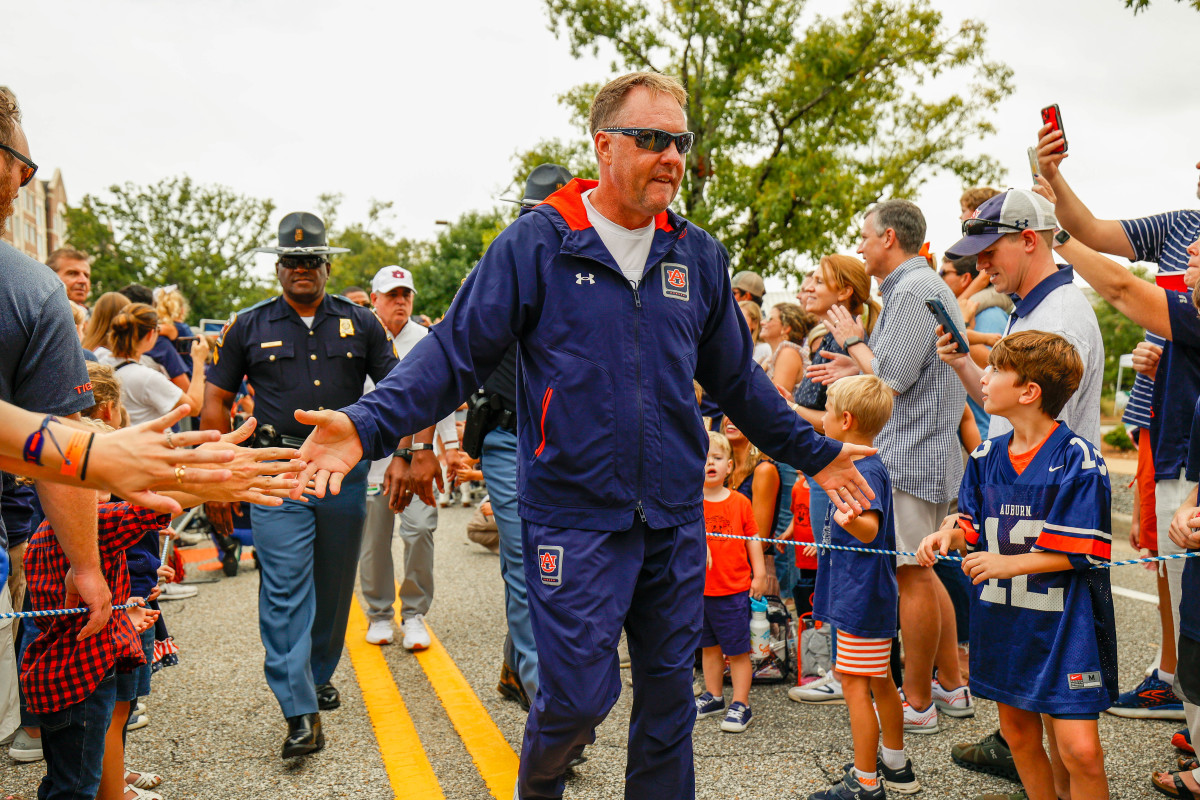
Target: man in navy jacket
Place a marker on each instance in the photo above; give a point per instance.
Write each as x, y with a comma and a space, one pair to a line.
615, 303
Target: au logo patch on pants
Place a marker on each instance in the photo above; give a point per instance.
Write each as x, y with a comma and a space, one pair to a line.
550, 564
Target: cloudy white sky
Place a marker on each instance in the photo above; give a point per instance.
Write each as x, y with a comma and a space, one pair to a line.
424, 104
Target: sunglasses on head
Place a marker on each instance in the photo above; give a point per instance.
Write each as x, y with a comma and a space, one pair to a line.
28, 170
655, 140
302, 262
976, 227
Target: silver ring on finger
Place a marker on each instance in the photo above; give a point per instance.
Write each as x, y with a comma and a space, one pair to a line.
170, 443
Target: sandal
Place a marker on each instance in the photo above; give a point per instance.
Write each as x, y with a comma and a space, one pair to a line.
1187, 763
141, 794
145, 780
1175, 788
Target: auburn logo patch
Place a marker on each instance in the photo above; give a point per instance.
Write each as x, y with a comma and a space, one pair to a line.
550, 564
675, 282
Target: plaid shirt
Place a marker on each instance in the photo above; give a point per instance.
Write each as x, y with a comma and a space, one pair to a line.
59, 671
919, 444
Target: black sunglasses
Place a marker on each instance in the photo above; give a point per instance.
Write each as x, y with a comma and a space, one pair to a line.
27, 171
655, 140
302, 262
976, 227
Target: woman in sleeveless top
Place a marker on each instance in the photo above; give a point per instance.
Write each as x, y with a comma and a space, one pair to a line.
757, 478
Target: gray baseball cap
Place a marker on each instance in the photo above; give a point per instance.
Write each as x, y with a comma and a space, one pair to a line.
1011, 212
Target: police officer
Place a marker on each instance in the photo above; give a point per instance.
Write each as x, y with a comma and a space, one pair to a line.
302, 349
498, 460
615, 303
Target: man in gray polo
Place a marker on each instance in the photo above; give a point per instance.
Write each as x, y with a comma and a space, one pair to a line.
919, 445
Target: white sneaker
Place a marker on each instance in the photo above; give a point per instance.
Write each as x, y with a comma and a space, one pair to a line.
380, 632
416, 637
954, 703
920, 721
24, 748
178, 591
825, 691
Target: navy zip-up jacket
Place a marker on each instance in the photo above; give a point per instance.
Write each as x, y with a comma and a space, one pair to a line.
608, 424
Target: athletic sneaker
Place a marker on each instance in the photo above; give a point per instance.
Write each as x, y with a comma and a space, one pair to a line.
416, 636
989, 755
380, 632
1183, 741
177, 591
953, 703
903, 780
137, 721
850, 789
737, 718
709, 706
826, 691
1152, 699
24, 748
920, 721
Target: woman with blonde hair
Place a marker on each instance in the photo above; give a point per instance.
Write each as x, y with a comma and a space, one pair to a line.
753, 315
172, 308
757, 478
146, 393
837, 281
95, 336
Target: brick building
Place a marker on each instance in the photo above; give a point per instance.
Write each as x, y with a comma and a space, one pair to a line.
38, 225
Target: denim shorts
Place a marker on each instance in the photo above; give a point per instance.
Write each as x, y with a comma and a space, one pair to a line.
132, 685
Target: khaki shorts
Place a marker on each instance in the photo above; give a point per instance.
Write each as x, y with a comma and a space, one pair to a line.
915, 519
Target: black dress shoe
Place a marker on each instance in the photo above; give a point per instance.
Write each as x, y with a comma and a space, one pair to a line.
328, 697
304, 735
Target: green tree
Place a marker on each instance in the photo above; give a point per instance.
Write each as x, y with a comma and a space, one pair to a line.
1142, 5
372, 244
1119, 333
455, 253
801, 124
174, 232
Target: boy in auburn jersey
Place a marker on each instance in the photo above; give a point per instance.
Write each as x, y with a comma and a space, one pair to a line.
1034, 517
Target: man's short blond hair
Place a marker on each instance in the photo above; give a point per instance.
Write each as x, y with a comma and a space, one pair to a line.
606, 105
866, 397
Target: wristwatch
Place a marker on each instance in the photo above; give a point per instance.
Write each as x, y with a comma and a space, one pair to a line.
851, 341
1062, 237
407, 452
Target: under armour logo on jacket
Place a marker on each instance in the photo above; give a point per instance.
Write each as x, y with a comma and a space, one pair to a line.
580, 278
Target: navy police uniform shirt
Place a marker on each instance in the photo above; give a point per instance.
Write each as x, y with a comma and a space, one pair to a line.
857, 592
1044, 642
292, 366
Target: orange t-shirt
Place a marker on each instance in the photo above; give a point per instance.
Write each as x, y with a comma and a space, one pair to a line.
802, 530
1021, 460
730, 572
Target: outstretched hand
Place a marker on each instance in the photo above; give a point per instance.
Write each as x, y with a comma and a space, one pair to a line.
845, 485
1049, 140
331, 451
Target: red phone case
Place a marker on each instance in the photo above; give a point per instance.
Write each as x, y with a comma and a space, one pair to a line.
1051, 115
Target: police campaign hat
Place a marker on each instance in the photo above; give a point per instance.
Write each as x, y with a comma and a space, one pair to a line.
545, 180
301, 234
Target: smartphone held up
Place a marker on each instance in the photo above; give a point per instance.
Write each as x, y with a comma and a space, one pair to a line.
1052, 116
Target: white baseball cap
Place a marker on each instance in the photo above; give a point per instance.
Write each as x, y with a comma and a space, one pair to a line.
389, 278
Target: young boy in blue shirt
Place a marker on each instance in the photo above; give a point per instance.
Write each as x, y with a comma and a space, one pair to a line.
857, 594
1035, 518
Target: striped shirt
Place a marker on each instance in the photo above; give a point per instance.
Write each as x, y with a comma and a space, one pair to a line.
1162, 239
919, 444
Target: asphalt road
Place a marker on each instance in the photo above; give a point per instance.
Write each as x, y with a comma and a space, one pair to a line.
435, 726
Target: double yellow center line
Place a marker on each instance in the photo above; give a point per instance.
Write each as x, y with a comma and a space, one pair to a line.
404, 757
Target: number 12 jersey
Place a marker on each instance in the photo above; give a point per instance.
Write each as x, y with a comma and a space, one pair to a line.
1043, 642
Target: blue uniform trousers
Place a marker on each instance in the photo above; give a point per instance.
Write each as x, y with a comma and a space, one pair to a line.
499, 465
651, 582
308, 553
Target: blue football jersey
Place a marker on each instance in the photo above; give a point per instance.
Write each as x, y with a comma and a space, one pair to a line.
1045, 642
856, 592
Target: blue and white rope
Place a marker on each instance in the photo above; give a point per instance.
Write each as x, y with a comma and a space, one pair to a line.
789, 542
58, 612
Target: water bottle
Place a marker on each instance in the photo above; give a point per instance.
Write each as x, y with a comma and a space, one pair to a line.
760, 630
